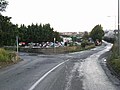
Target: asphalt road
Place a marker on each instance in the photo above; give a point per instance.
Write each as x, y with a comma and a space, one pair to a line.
85, 70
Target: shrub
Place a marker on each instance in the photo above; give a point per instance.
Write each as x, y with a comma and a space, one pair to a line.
4, 55
84, 43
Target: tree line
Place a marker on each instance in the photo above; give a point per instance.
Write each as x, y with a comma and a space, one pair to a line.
31, 33
36, 33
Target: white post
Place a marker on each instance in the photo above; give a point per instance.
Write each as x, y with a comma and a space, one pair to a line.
54, 42
54, 45
17, 43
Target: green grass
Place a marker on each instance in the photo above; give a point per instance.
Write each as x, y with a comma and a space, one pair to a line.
115, 64
79, 48
114, 61
6, 56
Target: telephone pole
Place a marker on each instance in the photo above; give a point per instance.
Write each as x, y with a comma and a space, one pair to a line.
17, 43
118, 29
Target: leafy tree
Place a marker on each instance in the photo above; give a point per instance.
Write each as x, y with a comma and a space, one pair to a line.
38, 33
74, 38
8, 31
3, 5
57, 36
31, 33
86, 35
97, 33
22, 33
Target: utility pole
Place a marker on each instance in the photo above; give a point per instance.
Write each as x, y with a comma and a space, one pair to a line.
17, 43
118, 30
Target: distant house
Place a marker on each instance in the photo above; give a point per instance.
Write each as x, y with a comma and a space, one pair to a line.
69, 33
67, 36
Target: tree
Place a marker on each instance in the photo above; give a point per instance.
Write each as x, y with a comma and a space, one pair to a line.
74, 38
31, 33
97, 33
37, 33
57, 36
86, 35
3, 5
8, 31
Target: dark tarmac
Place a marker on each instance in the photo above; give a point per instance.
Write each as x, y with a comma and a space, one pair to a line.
85, 70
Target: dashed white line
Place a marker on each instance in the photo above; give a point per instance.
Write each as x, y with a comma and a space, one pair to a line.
46, 74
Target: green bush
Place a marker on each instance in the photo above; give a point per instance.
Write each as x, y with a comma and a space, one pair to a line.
84, 43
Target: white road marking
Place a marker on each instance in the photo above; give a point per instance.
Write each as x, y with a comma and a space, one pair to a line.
46, 74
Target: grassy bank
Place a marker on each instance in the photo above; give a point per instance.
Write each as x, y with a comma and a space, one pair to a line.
114, 61
7, 57
78, 48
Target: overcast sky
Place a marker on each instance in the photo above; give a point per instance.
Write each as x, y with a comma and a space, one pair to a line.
64, 15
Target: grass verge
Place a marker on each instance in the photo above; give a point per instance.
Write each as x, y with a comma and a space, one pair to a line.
79, 48
115, 64
114, 61
7, 58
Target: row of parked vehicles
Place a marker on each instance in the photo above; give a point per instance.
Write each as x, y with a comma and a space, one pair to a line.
42, 45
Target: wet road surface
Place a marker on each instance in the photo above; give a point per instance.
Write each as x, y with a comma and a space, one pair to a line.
73, 71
